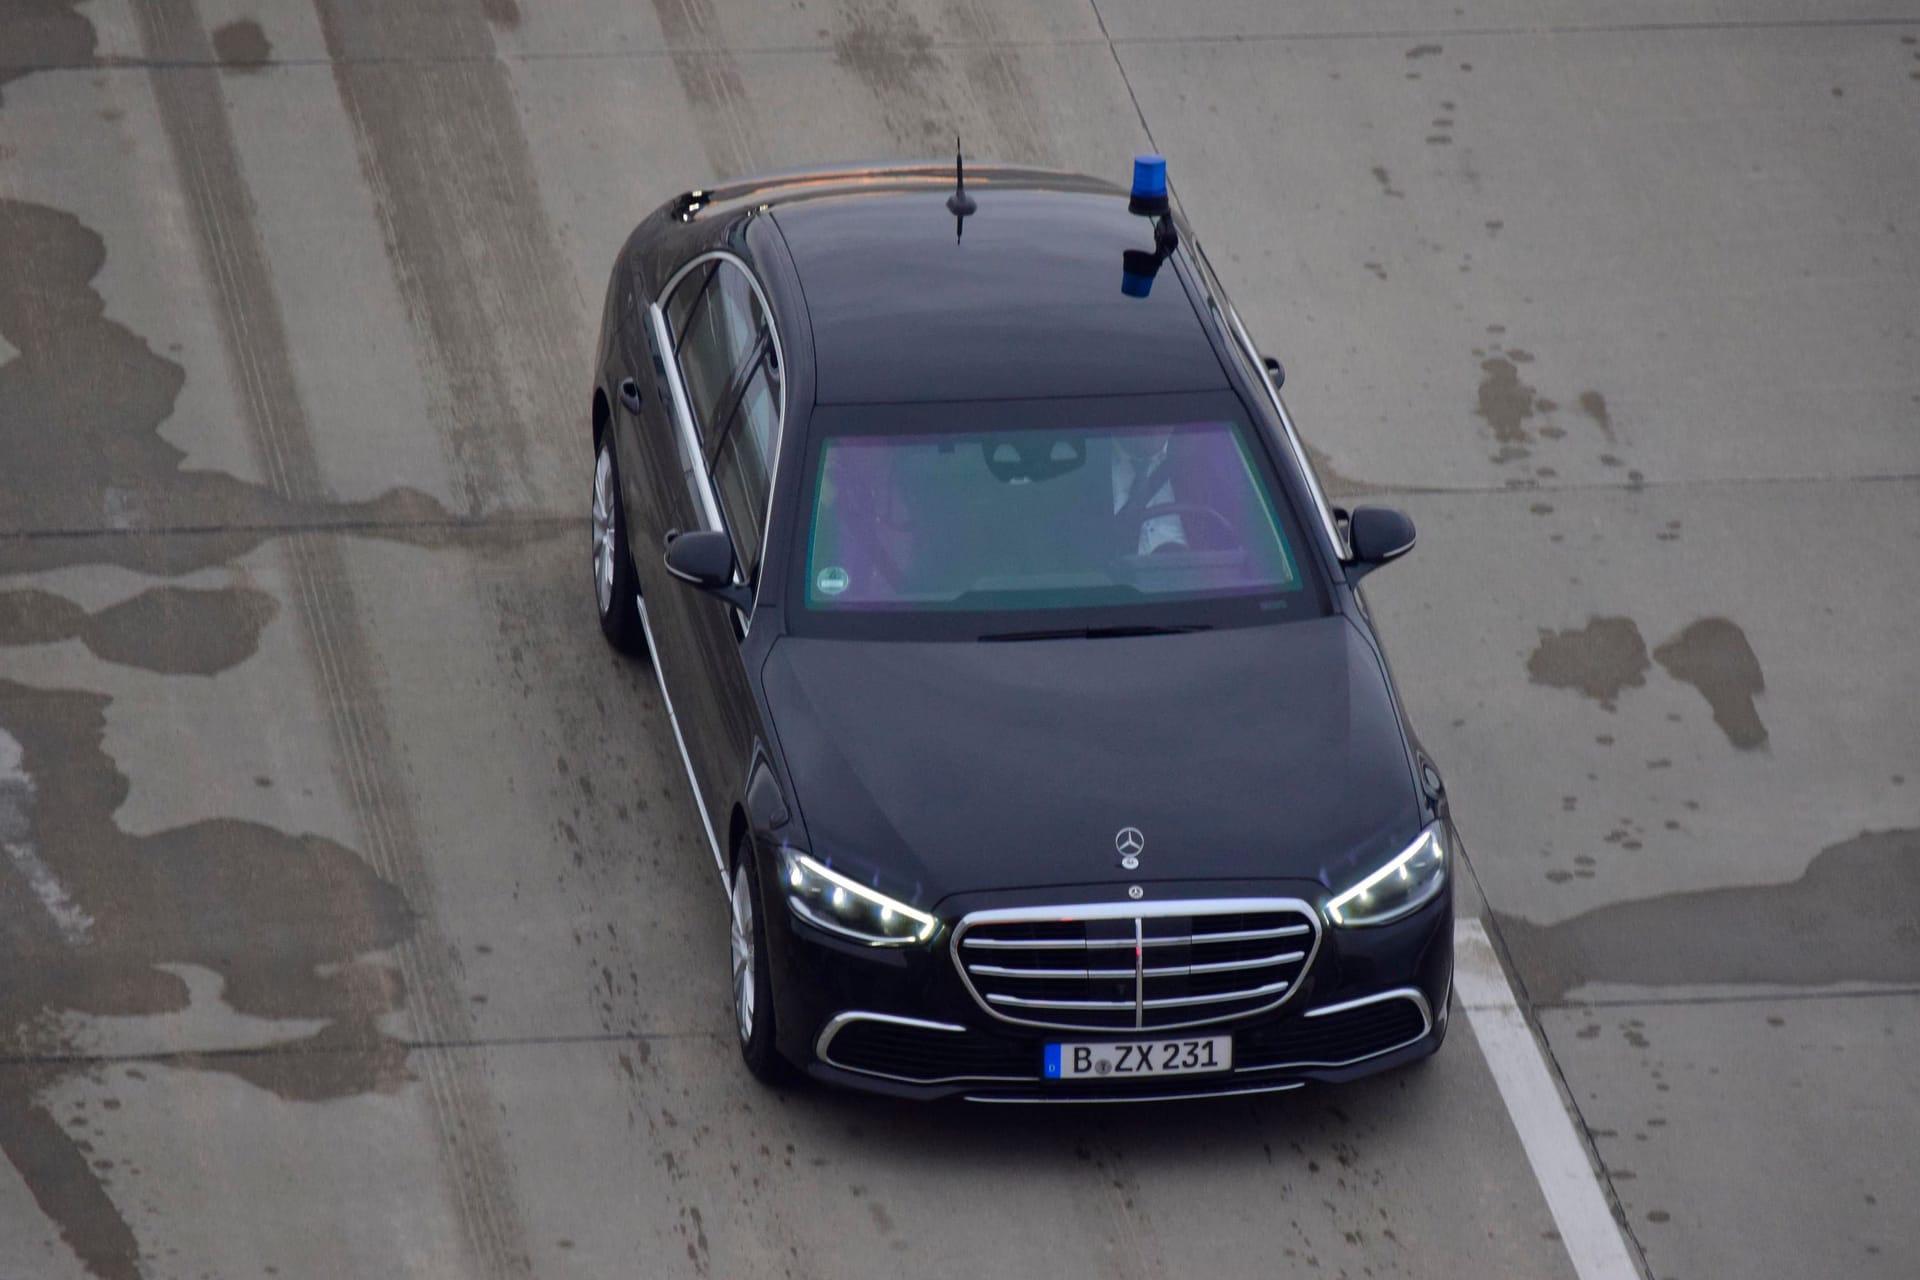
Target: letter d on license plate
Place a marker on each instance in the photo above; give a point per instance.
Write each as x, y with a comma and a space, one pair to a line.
1125, 1059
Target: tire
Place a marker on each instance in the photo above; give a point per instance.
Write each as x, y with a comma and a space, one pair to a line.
616, 586
750, 989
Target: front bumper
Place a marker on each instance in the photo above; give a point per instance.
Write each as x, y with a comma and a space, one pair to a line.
902, 1022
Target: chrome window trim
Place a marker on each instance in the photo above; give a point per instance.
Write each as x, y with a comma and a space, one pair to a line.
683, 417
1134, 911
1299, 448
699, 800
709, 503
1216, 296
823, 1043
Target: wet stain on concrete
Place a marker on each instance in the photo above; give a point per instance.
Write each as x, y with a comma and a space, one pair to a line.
1714, 657
43, 33
1848, 919
1505, 403
170, 630
80, 410
1594, 405
502, 13
1598, 661
1424, 51
286, 921
242, 45
1385, 179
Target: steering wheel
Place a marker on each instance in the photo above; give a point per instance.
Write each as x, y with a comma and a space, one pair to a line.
1033, 459
1195, 509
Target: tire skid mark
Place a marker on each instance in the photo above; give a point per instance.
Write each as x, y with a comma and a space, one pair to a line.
234, 259
723, 114
997, 77
492, 300
927, 90
60, 1180
1138, 1247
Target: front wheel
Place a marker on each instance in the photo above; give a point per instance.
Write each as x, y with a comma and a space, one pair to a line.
616, 587
752, 985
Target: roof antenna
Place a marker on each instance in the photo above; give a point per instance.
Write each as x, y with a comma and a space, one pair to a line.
959, 204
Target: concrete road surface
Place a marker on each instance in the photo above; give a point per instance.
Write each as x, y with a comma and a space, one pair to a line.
354, 919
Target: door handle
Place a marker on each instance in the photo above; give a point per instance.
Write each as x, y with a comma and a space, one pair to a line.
630, 394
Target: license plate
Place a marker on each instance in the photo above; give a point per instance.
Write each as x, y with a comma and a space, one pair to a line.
1126, 1059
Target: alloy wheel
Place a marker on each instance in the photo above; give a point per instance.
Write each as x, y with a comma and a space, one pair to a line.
606, 528
744, 995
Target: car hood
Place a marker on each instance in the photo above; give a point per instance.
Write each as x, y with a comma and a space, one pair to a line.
941, 768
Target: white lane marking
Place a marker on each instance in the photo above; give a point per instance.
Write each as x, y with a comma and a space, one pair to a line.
1554, 1149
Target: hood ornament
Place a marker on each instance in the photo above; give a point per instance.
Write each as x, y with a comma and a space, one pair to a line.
1129, 843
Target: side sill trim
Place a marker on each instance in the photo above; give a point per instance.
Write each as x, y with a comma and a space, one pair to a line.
679, 739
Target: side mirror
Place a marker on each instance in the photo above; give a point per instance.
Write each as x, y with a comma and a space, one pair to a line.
1378, 535
1274, 371
704, 558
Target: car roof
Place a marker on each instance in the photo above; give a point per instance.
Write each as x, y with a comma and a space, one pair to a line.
1025, 303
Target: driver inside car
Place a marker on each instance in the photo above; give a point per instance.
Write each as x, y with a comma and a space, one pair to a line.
1143, 479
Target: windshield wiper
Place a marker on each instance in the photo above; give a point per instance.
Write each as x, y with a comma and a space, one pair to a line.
1096, 633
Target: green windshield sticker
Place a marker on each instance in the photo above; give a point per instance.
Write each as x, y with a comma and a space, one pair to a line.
832, 580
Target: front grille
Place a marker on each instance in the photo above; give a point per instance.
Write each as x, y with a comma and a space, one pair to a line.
1334, 1039
1126, 968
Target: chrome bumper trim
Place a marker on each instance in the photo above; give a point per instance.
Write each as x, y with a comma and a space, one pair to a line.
823, 1044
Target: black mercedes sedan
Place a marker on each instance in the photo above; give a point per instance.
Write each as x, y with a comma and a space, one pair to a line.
1040, 736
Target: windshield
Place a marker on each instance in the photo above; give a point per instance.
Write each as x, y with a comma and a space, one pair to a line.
1015, 527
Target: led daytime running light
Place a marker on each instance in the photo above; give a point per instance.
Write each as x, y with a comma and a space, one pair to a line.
1399, 888
823, 897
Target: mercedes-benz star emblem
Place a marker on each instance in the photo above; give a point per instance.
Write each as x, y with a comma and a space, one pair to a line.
1129, 842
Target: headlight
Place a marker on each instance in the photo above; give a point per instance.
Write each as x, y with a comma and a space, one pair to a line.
1398, 889
824, 897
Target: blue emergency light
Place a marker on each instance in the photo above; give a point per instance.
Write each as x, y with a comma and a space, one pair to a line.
1148, 200
1149, 185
